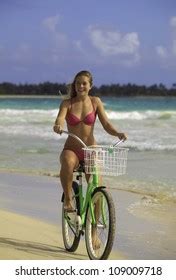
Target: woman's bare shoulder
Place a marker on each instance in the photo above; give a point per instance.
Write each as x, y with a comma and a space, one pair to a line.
96, 100
65, 103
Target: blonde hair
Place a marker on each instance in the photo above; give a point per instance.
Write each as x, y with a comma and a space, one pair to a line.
71, 87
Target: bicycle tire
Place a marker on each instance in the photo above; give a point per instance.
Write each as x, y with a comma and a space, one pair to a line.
70, 239
105, 230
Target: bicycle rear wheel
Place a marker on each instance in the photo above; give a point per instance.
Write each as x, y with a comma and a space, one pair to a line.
99, 237
70, 237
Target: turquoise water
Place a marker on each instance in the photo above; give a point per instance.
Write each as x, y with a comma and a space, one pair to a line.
141, 103
117, 104
29, 144
149, 122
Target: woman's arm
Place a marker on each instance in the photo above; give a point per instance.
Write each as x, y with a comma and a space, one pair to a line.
59, 122
108, 127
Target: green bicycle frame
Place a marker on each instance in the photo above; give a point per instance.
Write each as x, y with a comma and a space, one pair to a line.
85, 200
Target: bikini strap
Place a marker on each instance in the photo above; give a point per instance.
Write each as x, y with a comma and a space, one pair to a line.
70, 104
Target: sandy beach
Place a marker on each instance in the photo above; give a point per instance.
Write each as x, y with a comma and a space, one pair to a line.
27, 238
31, 224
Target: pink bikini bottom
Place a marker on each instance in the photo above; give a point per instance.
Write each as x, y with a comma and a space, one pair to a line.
79, 153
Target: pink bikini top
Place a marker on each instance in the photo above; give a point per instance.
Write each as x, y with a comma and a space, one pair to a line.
74, 120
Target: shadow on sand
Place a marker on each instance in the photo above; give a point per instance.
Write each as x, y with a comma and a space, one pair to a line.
39, 249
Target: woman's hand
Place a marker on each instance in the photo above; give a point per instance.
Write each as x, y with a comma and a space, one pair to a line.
122, 136
57, 128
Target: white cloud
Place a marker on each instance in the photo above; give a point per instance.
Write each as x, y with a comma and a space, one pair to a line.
120, 48
111, 43
161, 51
50, 23
173, 21
169, 52
78, 45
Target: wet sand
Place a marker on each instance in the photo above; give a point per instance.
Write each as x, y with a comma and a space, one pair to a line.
30, 219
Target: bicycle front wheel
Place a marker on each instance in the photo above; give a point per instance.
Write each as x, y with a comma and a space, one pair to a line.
99, 236
70, 237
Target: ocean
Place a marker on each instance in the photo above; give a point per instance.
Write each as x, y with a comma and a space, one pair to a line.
28, 143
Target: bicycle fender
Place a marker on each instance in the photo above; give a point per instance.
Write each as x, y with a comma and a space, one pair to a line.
98, 188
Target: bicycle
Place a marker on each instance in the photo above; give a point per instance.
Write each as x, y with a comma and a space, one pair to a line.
95, 211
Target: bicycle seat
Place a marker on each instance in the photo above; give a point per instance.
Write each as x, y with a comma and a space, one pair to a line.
80, 167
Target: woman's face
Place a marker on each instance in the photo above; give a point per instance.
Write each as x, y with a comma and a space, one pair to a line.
82, 85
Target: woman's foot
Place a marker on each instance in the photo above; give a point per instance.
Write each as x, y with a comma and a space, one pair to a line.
96, 242
69, 208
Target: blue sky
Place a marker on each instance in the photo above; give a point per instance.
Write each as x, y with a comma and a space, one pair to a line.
119, 41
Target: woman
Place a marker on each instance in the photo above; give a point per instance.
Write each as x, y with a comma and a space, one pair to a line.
80, 112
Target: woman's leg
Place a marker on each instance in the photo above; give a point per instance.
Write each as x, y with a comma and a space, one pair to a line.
69, 161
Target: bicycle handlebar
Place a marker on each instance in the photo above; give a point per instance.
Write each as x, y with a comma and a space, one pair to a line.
74, 136
118, 143
85, 146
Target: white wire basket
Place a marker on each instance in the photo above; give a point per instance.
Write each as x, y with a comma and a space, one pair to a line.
105, 160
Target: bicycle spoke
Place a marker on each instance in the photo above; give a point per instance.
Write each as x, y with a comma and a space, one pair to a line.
99, 236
